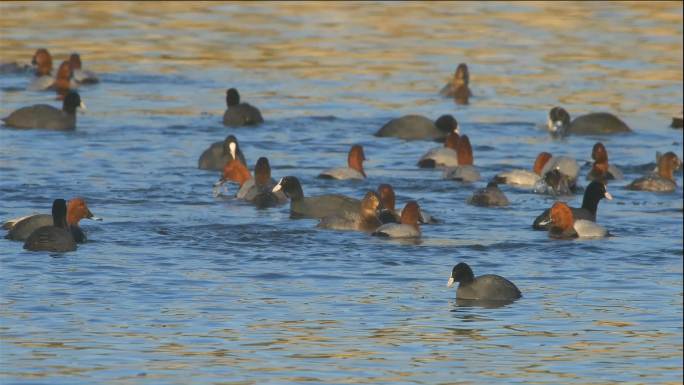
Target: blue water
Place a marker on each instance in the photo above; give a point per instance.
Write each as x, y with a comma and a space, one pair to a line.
178, 287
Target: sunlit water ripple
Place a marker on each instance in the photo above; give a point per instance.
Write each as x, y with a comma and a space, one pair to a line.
179, 287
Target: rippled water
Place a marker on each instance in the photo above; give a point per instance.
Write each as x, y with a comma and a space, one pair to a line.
178, 287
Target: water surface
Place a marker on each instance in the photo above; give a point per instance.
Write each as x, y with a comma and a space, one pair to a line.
179, 287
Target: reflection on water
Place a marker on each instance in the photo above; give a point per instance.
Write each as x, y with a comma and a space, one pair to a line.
482, 303
180, 287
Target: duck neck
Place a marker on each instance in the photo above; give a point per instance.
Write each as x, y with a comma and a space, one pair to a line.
262, 178
468, 277
356, 163
242, 177
72, 218
590, 203
59, 220
665, 171
235, 171
295, 192
600, 169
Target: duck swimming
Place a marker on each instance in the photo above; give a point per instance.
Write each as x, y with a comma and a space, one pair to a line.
488, 287
55, 238
661, 180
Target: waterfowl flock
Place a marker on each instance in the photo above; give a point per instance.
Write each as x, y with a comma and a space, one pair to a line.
375, 214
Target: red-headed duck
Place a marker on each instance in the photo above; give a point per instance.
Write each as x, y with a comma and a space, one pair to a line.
601, 170
445, 156
256, 190
417, 127
489, 196
236, 171
595, 123
47, 117
524, 178
465, 171
565, 164
264, 185
62, 84
80, 75
661, 180
19, 229
354, 169
43, 65
457, 88
488, 287
366, 219
220, 153
389, 214
77, 209
55, 238
240, 114
316, 206
563, 225
408, 226
388, 199
592, 196
559, 176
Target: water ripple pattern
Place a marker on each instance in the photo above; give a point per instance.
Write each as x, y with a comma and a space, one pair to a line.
179, 287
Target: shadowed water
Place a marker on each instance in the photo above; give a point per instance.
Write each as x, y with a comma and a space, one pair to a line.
178, 287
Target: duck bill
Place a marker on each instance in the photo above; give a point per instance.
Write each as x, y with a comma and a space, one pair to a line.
555, 126
608, 196
82, 106
89, 215
219, 182
278, 187
450, 283
233, 148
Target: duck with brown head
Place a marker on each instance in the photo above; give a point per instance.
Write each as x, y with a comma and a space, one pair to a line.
366, 219
465, 171
443, 156
417, 127
255, 190
458, 88
661, 180
354, 169
563, 225
265, 197
240, 114
236, 171
408, 226
388, 213
63, 81
19, 229
77, 209
43, 70
524, 178
592, 196
558, 176
43, 116
601, 170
